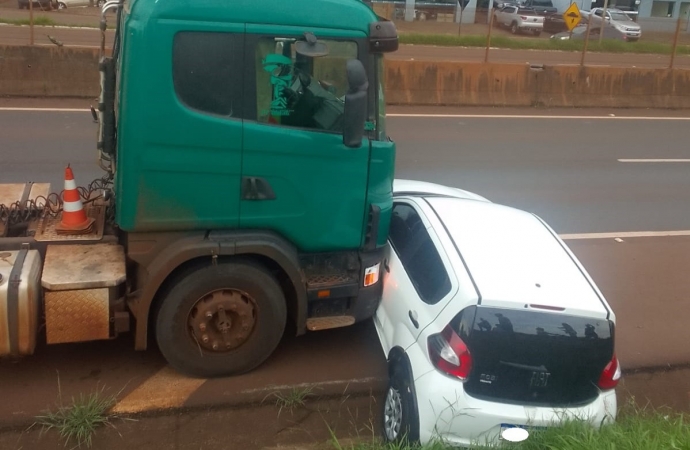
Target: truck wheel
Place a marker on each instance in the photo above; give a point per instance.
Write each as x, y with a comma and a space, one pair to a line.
514, 28
221, 320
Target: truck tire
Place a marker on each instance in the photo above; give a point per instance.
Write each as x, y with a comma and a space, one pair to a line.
221, 320
514, 28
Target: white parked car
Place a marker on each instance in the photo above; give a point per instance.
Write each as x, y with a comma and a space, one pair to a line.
488, 322
618, 19
519, 19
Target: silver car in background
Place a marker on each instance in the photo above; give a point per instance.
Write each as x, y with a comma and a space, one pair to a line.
617, 19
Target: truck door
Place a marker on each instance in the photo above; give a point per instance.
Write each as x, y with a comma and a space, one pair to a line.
297, 176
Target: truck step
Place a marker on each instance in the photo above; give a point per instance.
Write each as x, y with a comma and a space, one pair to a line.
324, 323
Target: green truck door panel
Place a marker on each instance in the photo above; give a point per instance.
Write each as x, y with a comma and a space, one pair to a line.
183, 163
293, 143
319, 185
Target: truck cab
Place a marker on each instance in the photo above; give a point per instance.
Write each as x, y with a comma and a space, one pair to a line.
250, 174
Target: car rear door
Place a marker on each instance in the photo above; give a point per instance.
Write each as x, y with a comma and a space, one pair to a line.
419, 280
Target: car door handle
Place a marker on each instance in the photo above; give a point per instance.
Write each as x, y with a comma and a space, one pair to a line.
413, 319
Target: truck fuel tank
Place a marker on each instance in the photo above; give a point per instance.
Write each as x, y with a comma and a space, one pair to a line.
20, 299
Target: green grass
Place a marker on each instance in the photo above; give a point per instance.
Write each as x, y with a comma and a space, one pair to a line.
635, 429
38, 21
609, 46
78, 421
295, 398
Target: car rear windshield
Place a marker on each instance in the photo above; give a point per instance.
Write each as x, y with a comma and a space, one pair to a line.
534, 357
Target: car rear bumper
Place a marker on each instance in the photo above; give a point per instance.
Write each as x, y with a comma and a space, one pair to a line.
446, 412
531, 26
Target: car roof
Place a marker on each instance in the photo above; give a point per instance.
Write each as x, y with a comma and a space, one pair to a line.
514, 258
424, 189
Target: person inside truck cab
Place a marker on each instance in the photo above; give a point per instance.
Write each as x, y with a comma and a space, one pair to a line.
298, 98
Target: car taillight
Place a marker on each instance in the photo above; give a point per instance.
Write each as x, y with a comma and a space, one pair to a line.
523, 17
449, 354
610, 375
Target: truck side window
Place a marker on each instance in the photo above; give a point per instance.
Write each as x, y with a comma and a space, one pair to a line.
203, 73
298, 91
418, 254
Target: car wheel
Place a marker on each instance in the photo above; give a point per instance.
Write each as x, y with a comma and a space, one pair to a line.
221, 320
514, 28
400, 416
62, 5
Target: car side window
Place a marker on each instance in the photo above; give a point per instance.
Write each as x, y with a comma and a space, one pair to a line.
418, 254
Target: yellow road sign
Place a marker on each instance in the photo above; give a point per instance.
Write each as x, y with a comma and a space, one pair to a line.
572, 16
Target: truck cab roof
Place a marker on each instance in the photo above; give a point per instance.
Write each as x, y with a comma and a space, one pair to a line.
323, 14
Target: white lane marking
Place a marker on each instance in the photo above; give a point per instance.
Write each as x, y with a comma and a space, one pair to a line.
624, 234
528, 116
9, 108
422, 116
164, 390
669, 160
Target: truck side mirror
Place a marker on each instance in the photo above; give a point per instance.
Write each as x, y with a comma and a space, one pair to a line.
355, 111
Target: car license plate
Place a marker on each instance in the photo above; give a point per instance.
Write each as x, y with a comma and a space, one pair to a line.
505, 426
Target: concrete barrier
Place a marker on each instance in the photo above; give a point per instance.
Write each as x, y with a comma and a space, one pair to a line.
466, 84
48, 71
73, 72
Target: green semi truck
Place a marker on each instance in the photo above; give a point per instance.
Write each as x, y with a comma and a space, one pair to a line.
248, 185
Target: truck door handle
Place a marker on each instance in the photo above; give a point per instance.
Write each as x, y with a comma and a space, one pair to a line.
256, 188
413, 319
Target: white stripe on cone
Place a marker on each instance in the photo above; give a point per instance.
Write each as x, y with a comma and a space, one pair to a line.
70, 185
72, 206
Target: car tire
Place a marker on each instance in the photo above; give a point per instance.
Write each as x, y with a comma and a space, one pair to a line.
514, 28
62, 5
400, 415
189, 323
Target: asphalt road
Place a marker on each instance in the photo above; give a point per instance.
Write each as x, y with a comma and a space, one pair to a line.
565, 169
91, 38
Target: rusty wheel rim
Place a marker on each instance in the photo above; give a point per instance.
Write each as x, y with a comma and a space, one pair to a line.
222, 320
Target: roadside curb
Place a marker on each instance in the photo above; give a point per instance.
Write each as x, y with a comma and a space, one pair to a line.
245, 399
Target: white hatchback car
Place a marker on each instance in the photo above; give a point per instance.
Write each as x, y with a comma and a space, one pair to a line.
488, 322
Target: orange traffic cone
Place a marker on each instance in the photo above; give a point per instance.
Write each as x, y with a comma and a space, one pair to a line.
74, 219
